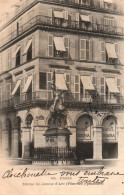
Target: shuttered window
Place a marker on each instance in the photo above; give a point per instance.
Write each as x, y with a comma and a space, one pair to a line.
45, 80
65, 15
119, 84
50, 46
103, 52
8, 87
77, 87
85, 49
117, 51
66, 43
102, 88
67, 79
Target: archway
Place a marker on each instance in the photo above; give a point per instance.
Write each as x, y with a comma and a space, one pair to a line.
110, 143
18, 123
30, 125
84, 137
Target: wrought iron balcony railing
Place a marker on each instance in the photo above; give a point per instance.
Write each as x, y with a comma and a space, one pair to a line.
66, 24
47, 96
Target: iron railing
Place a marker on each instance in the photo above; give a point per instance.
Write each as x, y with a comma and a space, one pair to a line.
66, 24
54, 153
47, 96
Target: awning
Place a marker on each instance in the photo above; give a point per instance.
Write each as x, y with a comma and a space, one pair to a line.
17, 49
112, 85
108, 1
27, 47
86, 81
58, 14
60, 82
111, 50
16, 87
26, 87
85, 18
59, 44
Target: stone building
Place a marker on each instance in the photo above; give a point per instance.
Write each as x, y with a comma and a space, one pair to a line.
82, 41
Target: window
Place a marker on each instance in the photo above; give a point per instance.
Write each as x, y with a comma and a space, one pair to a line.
67, 79
45, 80
29, 53
61, 18
18, 57
83, 21
109, 25
77, 87
103, 52
8, 94
58, 46
102, 91
85, 50
50, 46
28, 50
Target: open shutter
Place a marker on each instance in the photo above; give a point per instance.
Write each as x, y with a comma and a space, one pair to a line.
65, 14
103, 52
102, 91
33, 82
50, 46
67, 79
77, 87
83, 49
50, 14
66, 43
88, 50
8, 86
91, 50
77, 19
117, 51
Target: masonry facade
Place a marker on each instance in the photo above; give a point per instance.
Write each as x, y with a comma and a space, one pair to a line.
82, 42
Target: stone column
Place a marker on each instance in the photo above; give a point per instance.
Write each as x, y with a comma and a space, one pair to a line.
26, 142
97, 143
39, 139
15, 143
73, 137
5, 142
121, 144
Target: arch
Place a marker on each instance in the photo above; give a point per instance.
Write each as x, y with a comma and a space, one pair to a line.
95, 120
8, 127
84, 136
29, 120
110, 143
69, 120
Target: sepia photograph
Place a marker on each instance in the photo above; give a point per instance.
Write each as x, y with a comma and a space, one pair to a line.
62, 97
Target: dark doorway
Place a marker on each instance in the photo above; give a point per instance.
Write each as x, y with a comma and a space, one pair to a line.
110, 150
84, 150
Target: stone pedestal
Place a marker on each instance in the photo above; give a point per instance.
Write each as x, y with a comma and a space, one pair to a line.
39, 139
97, 143
5, 143
57, 137
26, 142
15, 143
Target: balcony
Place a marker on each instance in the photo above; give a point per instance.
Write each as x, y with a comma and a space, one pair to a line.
48, 22
46, 98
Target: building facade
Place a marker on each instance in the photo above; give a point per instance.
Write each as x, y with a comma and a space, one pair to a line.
82, 42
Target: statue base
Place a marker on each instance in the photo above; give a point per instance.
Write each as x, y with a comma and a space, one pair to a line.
57, 137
